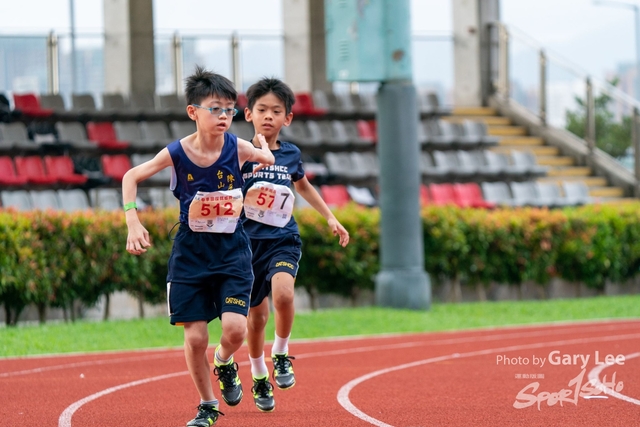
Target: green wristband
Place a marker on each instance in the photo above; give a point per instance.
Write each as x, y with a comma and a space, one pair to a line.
130, 205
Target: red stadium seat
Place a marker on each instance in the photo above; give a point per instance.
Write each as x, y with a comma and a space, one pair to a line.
365, 131
442, 194
470, 195
62, 168
425, 197
335, 195
115, 166
304, 106
8, 174
32, 168
29, 104
103, 134
241, 102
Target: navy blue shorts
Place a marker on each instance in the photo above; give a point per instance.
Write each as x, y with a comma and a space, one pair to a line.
271, 256
209, 274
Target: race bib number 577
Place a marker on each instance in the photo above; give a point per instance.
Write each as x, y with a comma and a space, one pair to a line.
216, 211
269, 203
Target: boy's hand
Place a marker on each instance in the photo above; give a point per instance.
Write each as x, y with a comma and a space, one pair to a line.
265, 147
137, 239
338, 230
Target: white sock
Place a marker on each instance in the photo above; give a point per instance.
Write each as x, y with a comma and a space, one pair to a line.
280, 345
219, 360
258, 367
213, 402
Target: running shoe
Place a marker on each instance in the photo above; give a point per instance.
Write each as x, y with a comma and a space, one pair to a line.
283, 370
206, 417
263, 394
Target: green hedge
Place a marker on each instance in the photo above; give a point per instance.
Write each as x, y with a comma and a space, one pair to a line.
55, 259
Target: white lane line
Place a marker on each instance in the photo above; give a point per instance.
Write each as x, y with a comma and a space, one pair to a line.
594, 378
343, 393
87, 363
445, 341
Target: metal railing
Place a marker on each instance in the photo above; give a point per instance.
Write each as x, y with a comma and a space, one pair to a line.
65, 63
561, 94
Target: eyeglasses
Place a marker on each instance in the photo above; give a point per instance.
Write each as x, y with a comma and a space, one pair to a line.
217, 111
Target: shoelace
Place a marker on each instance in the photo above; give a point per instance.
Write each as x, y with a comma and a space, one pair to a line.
203, 411
262, 388
282, 364
227, 374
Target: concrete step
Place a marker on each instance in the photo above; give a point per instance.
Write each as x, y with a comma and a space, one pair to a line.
569, 171
474, 111
606, 192
591, 181
520, 140
555, 160
538, 150
488, 120
507, 130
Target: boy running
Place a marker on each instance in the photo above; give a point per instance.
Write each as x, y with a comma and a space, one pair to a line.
209, 272
275, 239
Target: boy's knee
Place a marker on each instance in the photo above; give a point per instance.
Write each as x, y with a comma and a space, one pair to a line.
197, 341
235, 328
257, 321
283, 299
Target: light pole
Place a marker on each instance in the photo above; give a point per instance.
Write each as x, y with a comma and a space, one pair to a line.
636, 9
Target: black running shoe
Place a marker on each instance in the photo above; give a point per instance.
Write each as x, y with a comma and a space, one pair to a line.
263, 394
207, 416
283, 371
230, 386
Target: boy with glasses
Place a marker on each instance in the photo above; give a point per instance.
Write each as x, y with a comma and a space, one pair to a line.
210, 272
274, 234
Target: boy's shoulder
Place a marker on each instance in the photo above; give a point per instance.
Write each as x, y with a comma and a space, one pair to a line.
289, 146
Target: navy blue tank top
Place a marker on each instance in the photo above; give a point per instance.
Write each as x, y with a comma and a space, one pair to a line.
286, 169
189, 178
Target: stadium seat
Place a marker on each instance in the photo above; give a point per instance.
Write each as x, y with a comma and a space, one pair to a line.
44, 199
478, 130
576, 193
551, 192
432, 171
470, 195
335, 196
366, 130
29, 104
304, 106
8, 176
171, 103
182, 128
103, 134
338, 164
315, 135
449, 160
19, 199
115, 103
7, 114
497, 192
340, 103
85, 104
442, 134
33, 169
320, 100
364, 103
361, 195
15, 136
527, 160
157, 132
143, 103
354, 135
107, 199
53, 102
241, 103
115, 166
425, 197
73, 200
500, 162
61, 167
242, 129
442, 194
74, 134
526, 194
162, 197
130, 131
297, 132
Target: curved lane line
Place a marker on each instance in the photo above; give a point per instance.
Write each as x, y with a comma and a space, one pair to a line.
594, 377
343, 393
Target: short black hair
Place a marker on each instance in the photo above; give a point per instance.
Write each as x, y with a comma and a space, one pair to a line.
204, 83
271, 85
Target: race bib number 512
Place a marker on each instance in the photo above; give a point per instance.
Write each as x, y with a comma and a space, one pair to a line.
269, 203
216, 211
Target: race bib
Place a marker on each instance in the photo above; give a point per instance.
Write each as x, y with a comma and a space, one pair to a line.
216, 211
268, 203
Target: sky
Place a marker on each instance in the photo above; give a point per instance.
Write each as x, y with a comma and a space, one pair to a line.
596, 38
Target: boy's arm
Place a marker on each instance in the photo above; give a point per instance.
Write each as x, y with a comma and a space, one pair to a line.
247, 152
138, 237
309, 193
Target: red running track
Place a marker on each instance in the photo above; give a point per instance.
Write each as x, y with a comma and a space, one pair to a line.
488, 377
